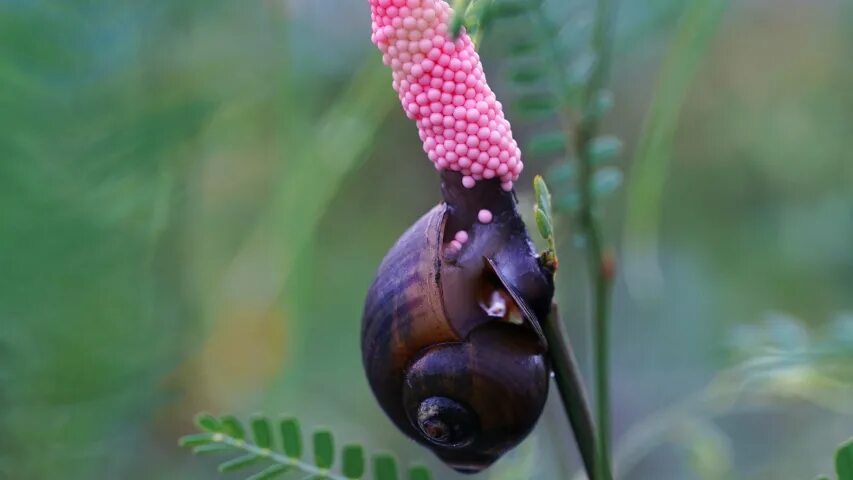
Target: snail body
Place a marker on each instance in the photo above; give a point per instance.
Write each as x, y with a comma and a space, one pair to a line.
451, 343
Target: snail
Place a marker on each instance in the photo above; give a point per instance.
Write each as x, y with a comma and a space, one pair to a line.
451, 340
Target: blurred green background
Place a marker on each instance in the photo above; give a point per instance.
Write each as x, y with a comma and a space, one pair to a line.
194, 196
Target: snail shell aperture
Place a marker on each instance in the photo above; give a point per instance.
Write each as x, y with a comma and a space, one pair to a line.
461, 379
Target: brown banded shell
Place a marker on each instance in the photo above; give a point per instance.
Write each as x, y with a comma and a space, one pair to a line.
403, 313
465, 384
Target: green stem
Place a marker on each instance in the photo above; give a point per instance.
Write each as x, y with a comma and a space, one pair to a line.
581, 135
598, 268
572, 392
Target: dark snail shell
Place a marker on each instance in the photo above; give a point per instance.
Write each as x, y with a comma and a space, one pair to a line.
466, 384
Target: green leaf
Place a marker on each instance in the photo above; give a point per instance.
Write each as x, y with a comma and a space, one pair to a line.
543, 223
262, 431
211, 448
523, 46
562, 172
419, 472
509, 8
606, 180
535, 105
239, 463
456, 24
569, 202
526, 74
581, 69
601, 104
195, 439
550, 143
543, 195
460, 8
353, 461
324, 449
844, 461
291, 437
206, 421
272, 471
232, 427
604, 148
384, 467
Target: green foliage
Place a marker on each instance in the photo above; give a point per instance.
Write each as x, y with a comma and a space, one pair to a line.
385, 467
227, 435
119, 123
535, 105
604, 148
239, 463
555, 70
781, 358
602, 103
542, 209
353, 461
232, 427
606, 180
145, 143
522, 75
324, 449
261, 431
696, 28
476, 16
843, 462
776, 359
291, 437
546, 144
419, 472
545, 222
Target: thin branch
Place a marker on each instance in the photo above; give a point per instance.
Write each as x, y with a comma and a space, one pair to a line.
580, 135
599, 268
571, 387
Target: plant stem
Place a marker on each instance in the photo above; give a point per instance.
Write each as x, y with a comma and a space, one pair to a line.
600, 271
581, 135
572, 392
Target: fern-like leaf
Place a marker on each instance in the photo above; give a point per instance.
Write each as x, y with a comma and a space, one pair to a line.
227, 434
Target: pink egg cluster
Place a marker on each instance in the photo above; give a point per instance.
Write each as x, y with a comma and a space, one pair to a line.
442, 87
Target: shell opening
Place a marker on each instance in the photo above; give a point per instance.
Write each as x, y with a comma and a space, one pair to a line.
497, 303
496, 306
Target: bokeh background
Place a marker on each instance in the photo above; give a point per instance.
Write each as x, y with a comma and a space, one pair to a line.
194, 196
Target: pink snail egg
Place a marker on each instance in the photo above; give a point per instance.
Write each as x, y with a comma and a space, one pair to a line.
484, 216
441, 85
